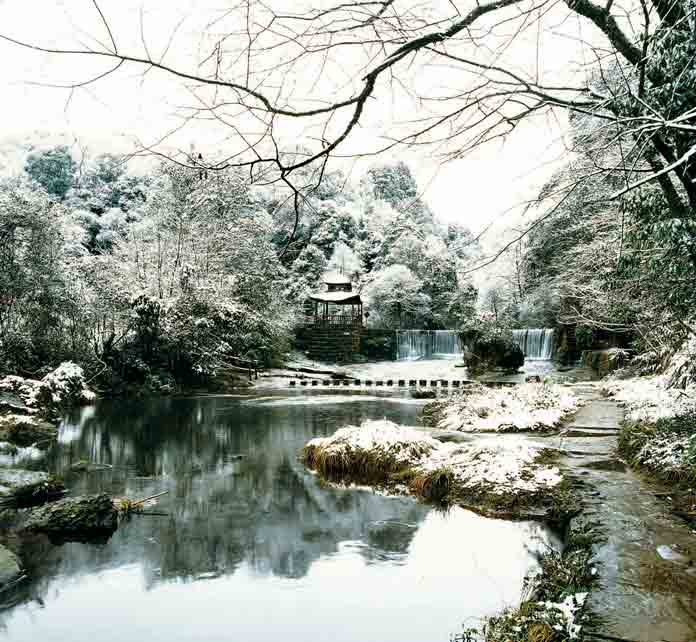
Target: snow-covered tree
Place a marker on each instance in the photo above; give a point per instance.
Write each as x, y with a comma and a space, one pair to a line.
395, 298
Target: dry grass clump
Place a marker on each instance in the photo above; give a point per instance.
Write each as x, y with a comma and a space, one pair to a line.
347, 463
370, 453
433, 485
540, 632
127, 507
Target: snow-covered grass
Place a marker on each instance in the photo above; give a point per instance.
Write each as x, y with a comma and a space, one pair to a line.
553, 608
369, 452
546, 621
527, 407
484, 476
666, 447
659, 431
651, 398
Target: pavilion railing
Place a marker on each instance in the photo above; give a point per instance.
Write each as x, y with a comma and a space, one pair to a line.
335, 319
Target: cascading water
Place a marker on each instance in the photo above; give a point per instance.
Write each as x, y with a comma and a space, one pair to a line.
536, 343
421, 344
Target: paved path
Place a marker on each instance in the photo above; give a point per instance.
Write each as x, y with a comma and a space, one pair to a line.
648, 562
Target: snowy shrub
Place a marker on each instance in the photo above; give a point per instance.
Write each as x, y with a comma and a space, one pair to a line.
25, 389
681, 370
64, 387
650, 398
667, 447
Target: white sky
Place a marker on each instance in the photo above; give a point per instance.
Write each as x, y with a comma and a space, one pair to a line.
488, 185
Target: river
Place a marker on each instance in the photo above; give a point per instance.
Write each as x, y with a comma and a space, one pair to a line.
248, 545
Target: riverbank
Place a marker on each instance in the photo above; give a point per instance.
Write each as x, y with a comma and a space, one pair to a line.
658, 438
614, 515
553, 605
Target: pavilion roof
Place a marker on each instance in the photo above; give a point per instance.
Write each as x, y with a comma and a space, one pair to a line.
344, 298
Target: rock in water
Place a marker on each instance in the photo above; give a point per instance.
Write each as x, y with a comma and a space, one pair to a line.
9, 567
12, 479
86, 518
25, 488
27, 430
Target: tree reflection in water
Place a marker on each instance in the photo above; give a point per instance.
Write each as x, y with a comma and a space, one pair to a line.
240, 506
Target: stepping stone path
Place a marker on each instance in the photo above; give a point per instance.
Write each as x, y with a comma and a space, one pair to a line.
647, 564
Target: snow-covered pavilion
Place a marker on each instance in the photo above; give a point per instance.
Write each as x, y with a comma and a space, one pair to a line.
331, 306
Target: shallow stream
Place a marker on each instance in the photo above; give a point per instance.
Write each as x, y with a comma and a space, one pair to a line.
248, 545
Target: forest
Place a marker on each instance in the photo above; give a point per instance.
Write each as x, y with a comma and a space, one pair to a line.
165, 277
509, 186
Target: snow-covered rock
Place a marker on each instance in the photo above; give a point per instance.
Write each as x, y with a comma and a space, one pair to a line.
64, 386
526, 407
506, 467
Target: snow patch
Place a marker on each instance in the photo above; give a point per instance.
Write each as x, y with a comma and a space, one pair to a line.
500, 468
568, 611
526, 407
650, 398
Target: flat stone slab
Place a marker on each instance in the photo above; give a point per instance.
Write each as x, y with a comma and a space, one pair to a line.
585, 432
610, 465
598, 413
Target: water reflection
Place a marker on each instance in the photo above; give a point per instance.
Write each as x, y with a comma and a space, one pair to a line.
252, 545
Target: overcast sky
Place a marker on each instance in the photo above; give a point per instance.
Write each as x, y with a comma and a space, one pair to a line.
488, 185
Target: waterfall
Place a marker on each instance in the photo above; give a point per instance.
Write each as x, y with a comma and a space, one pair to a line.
420, 344
536, 343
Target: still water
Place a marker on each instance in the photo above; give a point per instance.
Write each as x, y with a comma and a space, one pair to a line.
248, 545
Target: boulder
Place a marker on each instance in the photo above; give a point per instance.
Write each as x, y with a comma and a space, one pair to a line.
25, 488
10, 569
86, 518
423, 394
494, 353
27, 430
605, 361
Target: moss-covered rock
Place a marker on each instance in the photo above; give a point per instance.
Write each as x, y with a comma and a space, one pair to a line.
605, 361
494, 353
86, 518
